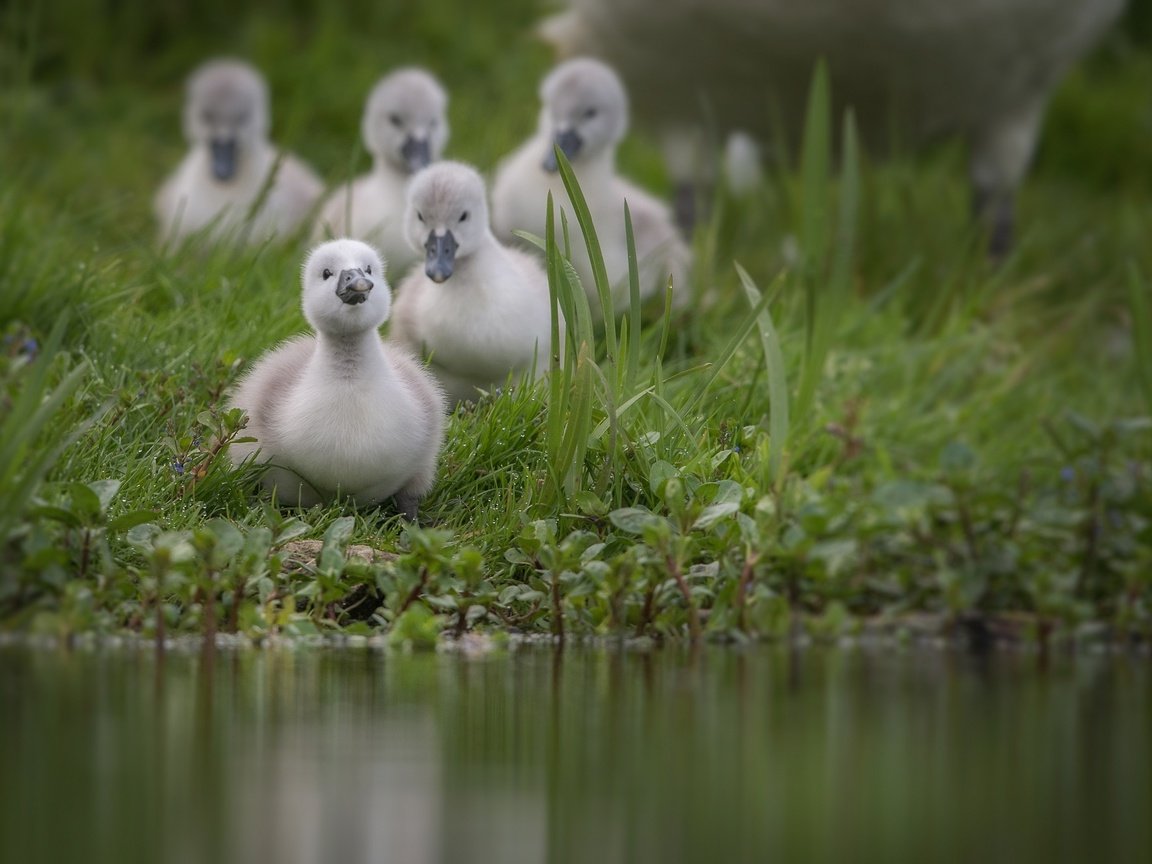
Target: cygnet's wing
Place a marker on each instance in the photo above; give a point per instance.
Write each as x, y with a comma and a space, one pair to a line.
432, 408
268, 384
403, 327
519, 191
297, 190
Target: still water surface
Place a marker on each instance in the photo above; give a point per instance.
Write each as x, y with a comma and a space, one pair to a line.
584, 756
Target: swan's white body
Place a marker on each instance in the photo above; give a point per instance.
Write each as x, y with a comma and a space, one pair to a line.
984, 69
371, 208
406, 107
492, 317
270, 193
193, 201
343, 413
520, 190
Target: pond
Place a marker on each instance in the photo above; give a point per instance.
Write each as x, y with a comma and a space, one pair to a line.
724, 754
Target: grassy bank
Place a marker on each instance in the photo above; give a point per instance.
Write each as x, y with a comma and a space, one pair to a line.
863, 421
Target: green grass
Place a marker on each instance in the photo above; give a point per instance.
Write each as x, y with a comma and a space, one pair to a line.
858, 419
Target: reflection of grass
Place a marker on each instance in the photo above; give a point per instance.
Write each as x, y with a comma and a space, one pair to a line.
864, 415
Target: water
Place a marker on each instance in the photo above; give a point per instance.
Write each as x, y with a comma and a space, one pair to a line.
722, 755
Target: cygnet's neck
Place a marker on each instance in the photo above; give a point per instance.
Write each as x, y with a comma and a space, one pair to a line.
602, 164
350, 356
253, 161
476, 261
382, 166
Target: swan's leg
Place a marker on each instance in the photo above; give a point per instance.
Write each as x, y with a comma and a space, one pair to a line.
690, 172
1001, 151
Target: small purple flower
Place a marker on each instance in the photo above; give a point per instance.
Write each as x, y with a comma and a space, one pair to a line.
178, 467
30, 346
1067, 474
196, 441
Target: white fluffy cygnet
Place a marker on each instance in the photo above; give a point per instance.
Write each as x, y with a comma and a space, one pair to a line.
477, 309
342, 412
222, 186
585, 114
404, 127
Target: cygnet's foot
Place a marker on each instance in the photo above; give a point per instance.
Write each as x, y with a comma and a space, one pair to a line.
408, 504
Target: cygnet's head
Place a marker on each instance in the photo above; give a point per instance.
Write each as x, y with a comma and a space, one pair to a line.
345, 292
405, 122
585, 110
226, 110
446, 216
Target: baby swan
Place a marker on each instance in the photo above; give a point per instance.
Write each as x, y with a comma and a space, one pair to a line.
342, 412
478, 309
405, 128
585, 114
224, 175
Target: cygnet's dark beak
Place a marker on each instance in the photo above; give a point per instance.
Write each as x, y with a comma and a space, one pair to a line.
441, 256
223, 158
353, 286
570, 142
416, 152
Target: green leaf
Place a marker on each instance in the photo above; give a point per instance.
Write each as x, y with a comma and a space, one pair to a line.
729, 491
85, 502
126, 521
105, 491
713, 513
633, 519
143, 536
56, 514
660, 473
228, 539
335, 540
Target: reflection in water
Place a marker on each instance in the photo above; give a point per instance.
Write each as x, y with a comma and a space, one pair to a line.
722, 755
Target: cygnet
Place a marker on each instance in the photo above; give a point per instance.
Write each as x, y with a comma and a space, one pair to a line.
477, 309
233, 182
404, 127
585, 114
342, 412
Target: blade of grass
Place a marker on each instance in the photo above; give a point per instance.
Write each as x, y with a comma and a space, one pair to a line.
778, 419
595, 255
1138, 290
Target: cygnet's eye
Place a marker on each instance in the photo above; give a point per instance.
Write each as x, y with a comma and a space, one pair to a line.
464, 216
368, 269
327, 274
590, 113
420, 216
395, 120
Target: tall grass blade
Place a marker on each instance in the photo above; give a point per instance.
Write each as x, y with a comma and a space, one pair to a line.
778, 419
1138, 291
25, 457
815, 167
725, 357
595, 255
631, 326
570, 387
830, 299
